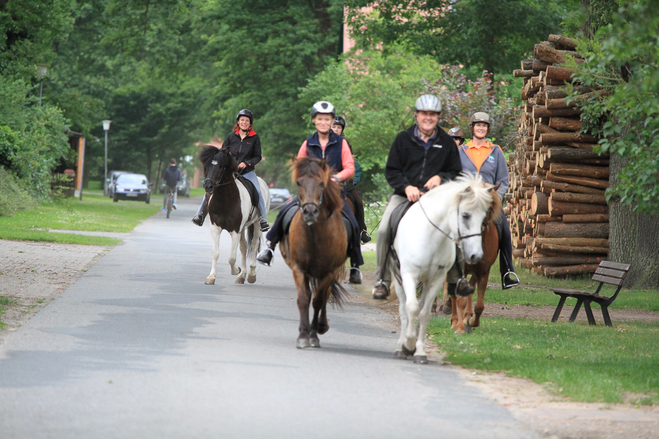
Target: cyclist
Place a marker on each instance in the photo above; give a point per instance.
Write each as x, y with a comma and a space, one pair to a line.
172, 176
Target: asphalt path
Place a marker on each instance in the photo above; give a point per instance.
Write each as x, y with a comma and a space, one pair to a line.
139, 347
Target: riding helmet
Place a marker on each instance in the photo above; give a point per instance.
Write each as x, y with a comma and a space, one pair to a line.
322, 107
480, 117
245, 112
338, 120
428, 103
456, 133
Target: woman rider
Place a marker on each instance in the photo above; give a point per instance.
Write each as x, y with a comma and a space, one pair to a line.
245, 145
480, 156
338, 126
323, 144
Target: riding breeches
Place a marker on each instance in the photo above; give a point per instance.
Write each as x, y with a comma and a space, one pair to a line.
357, 201
382, 273
251, 176
505, 247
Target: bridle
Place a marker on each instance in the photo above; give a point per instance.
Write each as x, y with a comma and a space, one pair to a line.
460, 237
214, 183
312, 203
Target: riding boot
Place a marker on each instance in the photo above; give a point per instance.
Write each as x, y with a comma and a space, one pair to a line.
355, 274
380, 291
461, 288
508, 277
264, 224
199, 218
265, 256
365, 237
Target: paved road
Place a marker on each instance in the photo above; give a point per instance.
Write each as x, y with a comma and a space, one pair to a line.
139, 347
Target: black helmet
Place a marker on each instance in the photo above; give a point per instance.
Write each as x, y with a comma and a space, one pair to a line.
338, 120
245, 112
322, 107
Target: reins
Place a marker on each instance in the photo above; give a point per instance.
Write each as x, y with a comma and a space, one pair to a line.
460, 237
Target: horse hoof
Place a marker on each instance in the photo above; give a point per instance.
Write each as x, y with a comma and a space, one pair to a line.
421, 359
408, 352
314, 342
467, 329
209, 282
323, 329
399, 355
240, 280
251, 279
446, 309
235, 271
303, 343
459, 334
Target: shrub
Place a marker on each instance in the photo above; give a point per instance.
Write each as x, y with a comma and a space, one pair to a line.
12, 196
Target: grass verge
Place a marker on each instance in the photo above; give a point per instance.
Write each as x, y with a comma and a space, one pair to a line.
581, 362
93, 213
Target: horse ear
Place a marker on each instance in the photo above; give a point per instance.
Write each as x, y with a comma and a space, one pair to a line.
323, 163
468, 190
496, 187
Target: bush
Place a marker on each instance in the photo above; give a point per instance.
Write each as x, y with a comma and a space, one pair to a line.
12, 196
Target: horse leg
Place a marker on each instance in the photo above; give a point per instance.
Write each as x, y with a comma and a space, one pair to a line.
320, 296
253, 250
243, 259
460, 304
235, 240
427, 298
401, 352
303, 300
446, 300
469, 309
216, 232
475, 322
412, 308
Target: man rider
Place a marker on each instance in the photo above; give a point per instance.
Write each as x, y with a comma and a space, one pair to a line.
421, 158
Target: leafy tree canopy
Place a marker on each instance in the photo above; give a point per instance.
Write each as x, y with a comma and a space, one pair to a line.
493, 35
624, 58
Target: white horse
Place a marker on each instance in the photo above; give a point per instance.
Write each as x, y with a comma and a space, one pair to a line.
230, 208
425, 248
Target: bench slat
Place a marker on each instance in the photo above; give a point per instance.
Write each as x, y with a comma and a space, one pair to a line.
607, 280
615, 265
611, 273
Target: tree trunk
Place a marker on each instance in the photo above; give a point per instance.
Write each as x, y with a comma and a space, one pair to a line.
553, 261
599, 172
586, 218
570, 270
558, 208
571, 197
634, 238
576, 230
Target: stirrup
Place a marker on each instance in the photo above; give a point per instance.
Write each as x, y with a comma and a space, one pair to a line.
264, 224
514, 282
265, 256
380, 291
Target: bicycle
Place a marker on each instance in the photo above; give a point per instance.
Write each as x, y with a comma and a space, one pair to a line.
169, 200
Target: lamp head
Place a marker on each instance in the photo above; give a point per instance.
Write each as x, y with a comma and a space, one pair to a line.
106, 125
42, 69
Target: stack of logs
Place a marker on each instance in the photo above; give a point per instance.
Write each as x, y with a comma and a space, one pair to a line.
557, 208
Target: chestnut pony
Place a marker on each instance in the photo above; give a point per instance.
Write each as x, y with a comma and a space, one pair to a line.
315, 247
480, 273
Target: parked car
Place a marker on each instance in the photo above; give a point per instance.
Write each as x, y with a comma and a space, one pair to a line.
279, 197
109, 183
182, 187
132, 187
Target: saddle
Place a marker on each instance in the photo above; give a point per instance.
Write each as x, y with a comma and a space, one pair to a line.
291, 211
396, 217
253, 193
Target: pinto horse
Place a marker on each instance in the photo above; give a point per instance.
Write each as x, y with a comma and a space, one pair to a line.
424, 250
230, 208
315, 247
480, 272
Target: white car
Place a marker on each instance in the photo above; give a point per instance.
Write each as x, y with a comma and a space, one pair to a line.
132, 187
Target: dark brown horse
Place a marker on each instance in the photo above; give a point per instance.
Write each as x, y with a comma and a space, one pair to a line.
315, 247
480, 272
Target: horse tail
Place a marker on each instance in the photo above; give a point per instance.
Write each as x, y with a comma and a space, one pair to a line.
336, 290
250, 236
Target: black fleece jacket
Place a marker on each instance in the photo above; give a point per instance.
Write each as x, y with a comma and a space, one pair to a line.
409, 163
247, 150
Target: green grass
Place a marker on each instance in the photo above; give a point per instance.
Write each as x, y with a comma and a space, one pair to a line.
197, 192
581, 362
93, 213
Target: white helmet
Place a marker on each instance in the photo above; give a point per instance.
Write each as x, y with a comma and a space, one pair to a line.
322, 107
428, 103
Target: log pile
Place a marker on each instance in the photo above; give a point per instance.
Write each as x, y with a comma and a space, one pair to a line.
556, 205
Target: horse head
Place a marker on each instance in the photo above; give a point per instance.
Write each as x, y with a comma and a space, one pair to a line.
316, 191
219, 166
475, 201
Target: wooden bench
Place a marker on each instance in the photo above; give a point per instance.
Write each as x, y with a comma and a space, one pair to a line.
611, 273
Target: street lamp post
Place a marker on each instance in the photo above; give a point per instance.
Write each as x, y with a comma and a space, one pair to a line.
106, 128
42, 69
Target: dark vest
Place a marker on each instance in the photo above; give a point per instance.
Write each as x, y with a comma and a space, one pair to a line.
332, 153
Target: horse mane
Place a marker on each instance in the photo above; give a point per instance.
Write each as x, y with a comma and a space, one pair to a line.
207, 154
319, 169
479, 196
224, 158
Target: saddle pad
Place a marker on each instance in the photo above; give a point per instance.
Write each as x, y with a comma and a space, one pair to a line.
288, 217
253, 194
395, 218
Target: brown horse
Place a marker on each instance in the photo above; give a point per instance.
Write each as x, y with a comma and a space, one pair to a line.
480, 272
315, 247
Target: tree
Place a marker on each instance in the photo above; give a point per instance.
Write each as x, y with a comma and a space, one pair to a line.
623, 57
492, 35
